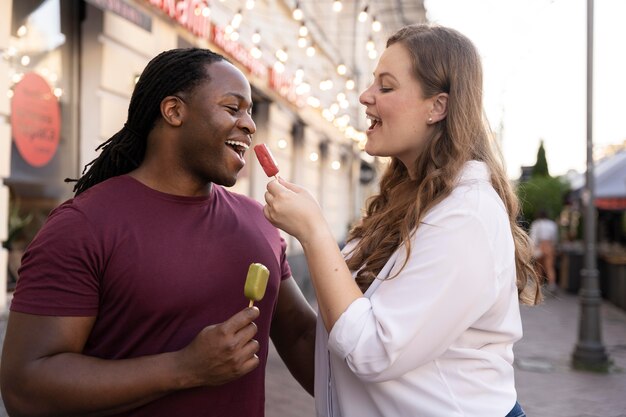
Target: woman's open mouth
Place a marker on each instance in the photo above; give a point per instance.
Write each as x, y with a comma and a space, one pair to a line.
374, 122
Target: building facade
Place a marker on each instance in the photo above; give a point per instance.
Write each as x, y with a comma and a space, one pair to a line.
69, 68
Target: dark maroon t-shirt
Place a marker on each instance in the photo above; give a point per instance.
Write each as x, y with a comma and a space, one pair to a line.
155, 269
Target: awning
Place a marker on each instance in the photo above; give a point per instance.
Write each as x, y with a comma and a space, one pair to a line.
609, 182
616, 203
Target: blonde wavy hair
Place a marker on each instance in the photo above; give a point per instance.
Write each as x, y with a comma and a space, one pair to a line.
444, 61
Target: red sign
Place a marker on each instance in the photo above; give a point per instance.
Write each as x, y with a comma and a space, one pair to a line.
35, 120
188, 13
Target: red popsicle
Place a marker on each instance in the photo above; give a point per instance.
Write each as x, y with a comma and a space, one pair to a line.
266, 159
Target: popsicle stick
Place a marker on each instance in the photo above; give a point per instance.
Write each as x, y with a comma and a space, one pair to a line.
251, 302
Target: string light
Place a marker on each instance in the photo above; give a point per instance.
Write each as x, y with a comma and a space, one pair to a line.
206, 11
341, 69
282, 55
303, 31
302, 42
256, 37
363, 14
249, 4
376, 26
350, 84
310, 51
297, 12
326, 85
256, 52
313, 102
236, 20
279, 67
337, 6
370, 44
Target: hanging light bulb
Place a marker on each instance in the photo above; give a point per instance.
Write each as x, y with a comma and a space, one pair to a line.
303, 31
279, 67
234, 36
249, 4
350, 84
297, 12
370, 44
363, 14
282, 55
236, 20
256, 52
302, 42
337, 6
376, 26
341, 69
256, 37
372, 53
206, 11
310, 51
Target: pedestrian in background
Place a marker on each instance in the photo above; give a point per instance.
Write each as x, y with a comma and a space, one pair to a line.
544, 234
420, 317
130, 299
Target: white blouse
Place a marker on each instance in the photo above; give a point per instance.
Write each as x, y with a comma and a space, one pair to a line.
437, 339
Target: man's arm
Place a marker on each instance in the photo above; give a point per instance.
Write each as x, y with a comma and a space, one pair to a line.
293, 333
44, 373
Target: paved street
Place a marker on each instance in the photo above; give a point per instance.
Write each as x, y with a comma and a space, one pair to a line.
547, 385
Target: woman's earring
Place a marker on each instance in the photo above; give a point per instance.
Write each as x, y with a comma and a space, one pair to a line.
430, 120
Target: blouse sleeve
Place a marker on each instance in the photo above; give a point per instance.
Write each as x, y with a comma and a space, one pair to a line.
449, 281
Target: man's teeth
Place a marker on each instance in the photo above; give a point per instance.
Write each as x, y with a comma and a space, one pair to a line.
238, 144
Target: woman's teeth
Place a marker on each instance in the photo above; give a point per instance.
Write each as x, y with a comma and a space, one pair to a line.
373, 121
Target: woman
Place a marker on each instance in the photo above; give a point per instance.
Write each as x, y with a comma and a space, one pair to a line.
423, 312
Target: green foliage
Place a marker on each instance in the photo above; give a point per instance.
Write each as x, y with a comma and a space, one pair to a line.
541, 166
541, 193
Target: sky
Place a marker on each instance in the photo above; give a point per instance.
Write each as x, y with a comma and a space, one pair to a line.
535, 74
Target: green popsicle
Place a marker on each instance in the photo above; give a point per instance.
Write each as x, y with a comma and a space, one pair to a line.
256, 282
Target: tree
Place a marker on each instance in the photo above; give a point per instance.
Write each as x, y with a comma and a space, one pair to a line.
541, 166
541, 191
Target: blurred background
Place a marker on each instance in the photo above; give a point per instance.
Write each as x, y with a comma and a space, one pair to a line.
68, 68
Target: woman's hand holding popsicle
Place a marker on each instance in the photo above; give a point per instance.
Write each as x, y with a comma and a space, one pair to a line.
294, 210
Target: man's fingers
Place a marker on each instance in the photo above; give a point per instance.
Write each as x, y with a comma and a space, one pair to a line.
241, 319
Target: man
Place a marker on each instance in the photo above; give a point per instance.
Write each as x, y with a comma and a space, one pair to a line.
130, 299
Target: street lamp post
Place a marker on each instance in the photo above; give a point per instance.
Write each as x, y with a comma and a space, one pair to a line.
590, 353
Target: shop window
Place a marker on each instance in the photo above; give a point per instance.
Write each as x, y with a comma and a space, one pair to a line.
42, 56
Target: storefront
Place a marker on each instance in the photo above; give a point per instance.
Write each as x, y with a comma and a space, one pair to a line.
40, 57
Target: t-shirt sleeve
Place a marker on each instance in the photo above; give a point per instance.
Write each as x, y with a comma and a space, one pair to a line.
60, 268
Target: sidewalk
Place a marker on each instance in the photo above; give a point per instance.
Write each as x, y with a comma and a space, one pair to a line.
547, 385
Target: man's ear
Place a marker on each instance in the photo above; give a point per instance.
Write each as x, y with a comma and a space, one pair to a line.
440, 107
172, 110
